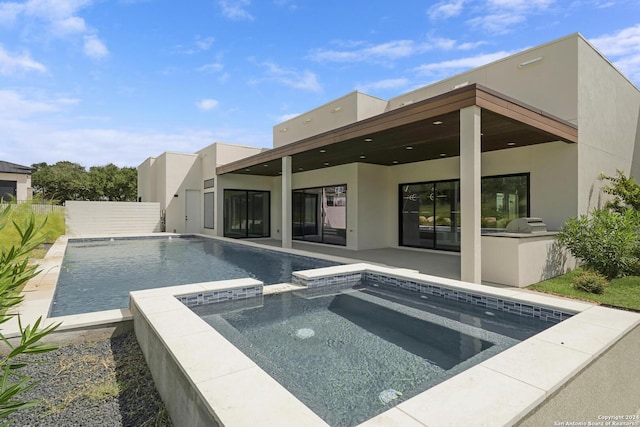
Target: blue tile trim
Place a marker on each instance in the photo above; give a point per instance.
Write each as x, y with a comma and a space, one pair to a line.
337, 279
221, 295
108, 239
514, 307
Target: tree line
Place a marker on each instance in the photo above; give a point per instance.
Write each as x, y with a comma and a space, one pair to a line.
71, 181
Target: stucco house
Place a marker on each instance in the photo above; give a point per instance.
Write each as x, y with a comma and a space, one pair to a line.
442, 168
15, 182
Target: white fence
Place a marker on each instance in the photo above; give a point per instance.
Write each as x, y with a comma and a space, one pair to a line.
106, 218
37, 208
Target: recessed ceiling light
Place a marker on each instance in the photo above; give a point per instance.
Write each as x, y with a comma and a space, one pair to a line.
443, 155
323, 151
280, 173
437, 122
266, 166
299, 169
368, 140
362, 156
395, 162
326, 163
409, 147
511, 144
247, 170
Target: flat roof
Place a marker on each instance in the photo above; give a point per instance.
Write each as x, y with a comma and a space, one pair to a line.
431, 128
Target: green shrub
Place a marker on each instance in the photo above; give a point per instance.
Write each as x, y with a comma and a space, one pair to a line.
591, 282
15, 271
605, 241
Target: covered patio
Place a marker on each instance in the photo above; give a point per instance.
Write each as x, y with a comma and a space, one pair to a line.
464, 123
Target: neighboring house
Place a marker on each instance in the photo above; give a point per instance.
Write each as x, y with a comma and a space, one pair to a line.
445, 167
15, 182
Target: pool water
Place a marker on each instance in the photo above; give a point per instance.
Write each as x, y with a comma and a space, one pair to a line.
356, 352
99, 274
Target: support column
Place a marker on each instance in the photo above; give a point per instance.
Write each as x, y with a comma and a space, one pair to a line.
470, 243
286, 202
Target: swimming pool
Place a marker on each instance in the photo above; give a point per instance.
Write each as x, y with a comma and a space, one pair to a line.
353, 352
98, 274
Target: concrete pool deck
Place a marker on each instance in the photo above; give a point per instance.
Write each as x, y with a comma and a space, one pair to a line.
565, 353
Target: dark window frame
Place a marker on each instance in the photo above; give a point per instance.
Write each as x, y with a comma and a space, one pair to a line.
435, 182
322, 187
247, 233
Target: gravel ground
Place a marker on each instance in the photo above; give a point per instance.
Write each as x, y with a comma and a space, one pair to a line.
98, 383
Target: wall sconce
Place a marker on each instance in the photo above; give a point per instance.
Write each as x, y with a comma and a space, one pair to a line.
335, 110
283, 130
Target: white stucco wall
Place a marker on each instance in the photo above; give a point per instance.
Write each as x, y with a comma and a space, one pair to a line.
183, 173
340, 112
107, 218
148, 180
549, 84
608, 117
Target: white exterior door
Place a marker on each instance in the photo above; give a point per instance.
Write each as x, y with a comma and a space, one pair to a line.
192, 212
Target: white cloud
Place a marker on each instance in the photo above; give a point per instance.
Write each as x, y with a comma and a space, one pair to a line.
471, 45
201, 45
457, 65
9, 12
204, 43
236, 10
214, 67
503, 15
305, 80
623, 48
285, 117
68, 26
384, 84
14, 105
446, 9
498, 23
12, 64
390, 50
94, 47
31, 142
55, 18
207, 104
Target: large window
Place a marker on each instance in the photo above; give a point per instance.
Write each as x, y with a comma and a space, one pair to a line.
504, 198
320, 214
430, 211
246, 213
209, 199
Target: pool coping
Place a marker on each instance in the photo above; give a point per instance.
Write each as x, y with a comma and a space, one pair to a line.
499, 391
523, 375
39, 292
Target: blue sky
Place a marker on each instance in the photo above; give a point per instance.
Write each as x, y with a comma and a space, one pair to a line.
98, 82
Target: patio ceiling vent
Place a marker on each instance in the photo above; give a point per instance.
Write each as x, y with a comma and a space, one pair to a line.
527, 225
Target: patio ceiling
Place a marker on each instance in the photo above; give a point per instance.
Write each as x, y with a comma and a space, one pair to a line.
425, 130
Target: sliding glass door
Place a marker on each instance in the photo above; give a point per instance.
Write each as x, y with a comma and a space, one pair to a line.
246, 213
320, 214
430, 211
430, 215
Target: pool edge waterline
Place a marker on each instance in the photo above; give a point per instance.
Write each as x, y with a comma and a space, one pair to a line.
498, 391
591, 331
